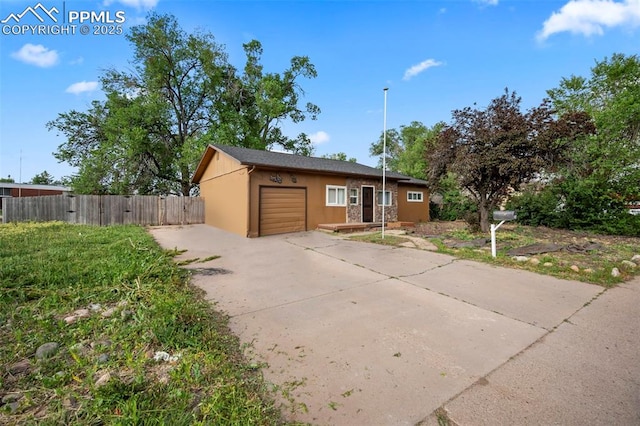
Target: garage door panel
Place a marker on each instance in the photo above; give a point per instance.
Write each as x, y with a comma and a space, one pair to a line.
282, 210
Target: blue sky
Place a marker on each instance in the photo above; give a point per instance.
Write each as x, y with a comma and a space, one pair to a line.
434, 56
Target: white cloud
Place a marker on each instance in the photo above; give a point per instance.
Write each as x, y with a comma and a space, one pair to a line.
320, 137
589, 17
36, 54
138, 4
422, 66
82, 87
77, 61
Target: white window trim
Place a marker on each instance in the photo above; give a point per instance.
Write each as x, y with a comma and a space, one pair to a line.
337, 188
357, 196
390, 198
421, 200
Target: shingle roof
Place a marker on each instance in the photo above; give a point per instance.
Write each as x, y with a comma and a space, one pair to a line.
254, 157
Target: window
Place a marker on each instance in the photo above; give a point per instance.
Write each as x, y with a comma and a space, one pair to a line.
387, 198
414, 196
336, 195
353, 196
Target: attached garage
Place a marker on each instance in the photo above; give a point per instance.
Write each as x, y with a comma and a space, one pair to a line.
282, 210
257, 193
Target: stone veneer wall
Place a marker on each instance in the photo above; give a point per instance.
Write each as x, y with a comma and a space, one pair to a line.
354, 212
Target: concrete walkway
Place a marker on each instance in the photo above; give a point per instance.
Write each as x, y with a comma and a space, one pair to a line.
363, 334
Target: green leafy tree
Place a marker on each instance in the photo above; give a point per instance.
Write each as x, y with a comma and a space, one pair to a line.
340, 156
43, 178
601, 170
493, 150
180, 95
8, 179
406, 148
256, 102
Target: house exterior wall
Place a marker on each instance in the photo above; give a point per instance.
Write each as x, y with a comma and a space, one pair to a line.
354, 212
224, 186
317, 210
30, 192
412, 211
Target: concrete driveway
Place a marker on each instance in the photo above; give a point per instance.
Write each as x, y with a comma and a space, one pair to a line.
363, 334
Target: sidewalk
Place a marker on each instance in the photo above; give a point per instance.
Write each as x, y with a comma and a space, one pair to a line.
585, 372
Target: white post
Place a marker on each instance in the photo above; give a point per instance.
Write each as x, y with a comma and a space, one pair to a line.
493, 237
384, 158
493, 240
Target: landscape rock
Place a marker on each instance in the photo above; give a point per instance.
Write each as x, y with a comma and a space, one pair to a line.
12, 401
575, 268
615, 272
82, 313
108, 312
547, 264
47, 350
165, 356
11, 397
534, 261
588, 270
103, 358
636, 259
629, 264
103, 379
95, 307
70, 319
520, 258
20, 367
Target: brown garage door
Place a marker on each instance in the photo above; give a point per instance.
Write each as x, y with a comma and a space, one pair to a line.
282, 210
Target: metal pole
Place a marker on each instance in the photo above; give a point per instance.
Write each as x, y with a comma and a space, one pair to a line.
494, 228
384, 159
20, 177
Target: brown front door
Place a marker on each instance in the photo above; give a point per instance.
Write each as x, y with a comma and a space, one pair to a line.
367, 204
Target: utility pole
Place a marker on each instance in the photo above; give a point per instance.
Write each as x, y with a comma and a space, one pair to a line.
384, 159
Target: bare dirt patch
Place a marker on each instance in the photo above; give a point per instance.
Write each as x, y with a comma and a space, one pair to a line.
575, 255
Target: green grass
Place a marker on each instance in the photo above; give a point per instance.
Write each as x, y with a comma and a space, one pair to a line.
47, 271
594, 268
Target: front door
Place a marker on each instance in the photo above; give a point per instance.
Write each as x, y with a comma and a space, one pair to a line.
367, 204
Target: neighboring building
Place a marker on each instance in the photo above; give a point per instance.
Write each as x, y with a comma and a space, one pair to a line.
29, 190
255, 193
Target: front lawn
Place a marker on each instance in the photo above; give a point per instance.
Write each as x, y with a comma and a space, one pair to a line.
599, 259
99, 326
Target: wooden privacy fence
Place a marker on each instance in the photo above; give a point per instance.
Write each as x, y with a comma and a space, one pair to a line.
105, 210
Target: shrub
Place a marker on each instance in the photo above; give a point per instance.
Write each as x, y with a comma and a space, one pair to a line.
536, 208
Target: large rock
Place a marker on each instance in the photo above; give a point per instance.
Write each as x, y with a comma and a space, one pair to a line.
47, 350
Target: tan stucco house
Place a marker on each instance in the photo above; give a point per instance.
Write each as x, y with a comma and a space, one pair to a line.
254, 193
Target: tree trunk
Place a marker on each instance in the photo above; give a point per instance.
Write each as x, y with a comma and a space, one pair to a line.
483, 207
